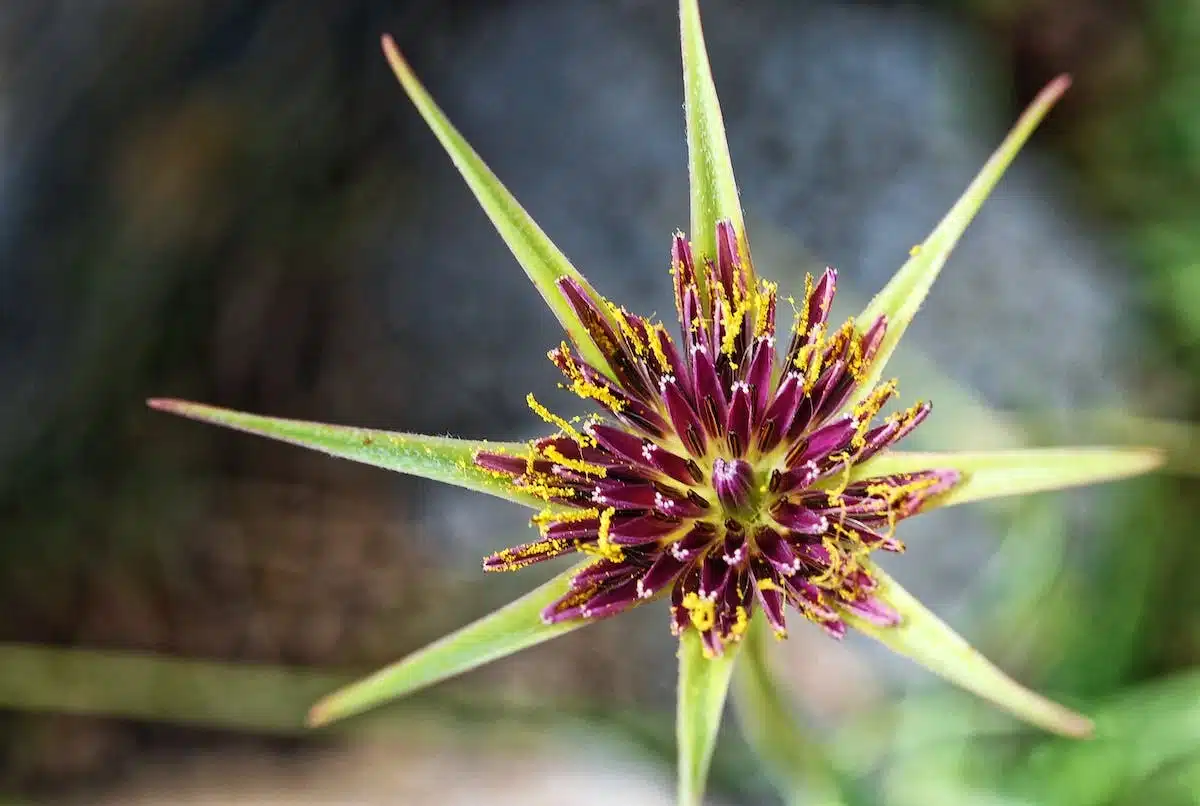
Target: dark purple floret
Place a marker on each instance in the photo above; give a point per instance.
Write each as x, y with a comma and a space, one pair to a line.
727, 473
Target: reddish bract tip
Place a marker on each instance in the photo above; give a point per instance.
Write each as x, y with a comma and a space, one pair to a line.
1052, 92
165, 404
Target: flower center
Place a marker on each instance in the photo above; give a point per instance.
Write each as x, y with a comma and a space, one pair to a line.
733, 482
725, 471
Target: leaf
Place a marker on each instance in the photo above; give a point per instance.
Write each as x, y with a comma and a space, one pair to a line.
510, 629
436, 458
930, 642
703, 684
904, 293
539, 257
993, 474
1139, 732
135, 685
797, 766
713, 188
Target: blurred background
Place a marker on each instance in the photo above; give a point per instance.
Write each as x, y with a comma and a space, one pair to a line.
232, 201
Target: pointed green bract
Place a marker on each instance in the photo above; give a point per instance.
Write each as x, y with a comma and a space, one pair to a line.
703, 685
994, 474
930, 642
713, 189
537, 254
443, 459
797, 766
510, 629
904, 293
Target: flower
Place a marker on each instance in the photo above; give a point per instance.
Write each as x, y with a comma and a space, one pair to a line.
722, 472
739, 475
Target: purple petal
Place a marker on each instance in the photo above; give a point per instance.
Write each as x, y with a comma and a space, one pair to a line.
685, 471
677, 366
775, 549
683, 417
728, 262
573, 529
690, 545
888, 434
779, 414
738, 420
622, 495
501, 463
611, 345
695, 331
821, 299
617, 440
675, 505
664, 571
826, 440
527, 554
683, 269
735, 551
772, 601
807, 597
815, 553
872, 538
874, 610
834, 628
636, 530
598, 572
799, 519
733, 481
758, 375
793, 480
715, 574
709, 393
871, 340
610, 601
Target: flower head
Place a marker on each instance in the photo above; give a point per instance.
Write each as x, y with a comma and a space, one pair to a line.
721, 471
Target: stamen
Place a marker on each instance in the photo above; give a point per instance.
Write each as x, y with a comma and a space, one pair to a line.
554, 419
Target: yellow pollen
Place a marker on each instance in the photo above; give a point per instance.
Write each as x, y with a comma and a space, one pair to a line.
739, 626
701, 611
915, 250
841, 340
518, 557
568, 516
587, 468
769, 585
908, 415
835, 493
546, 491
766, 291
656, 348
601, 394
733, 326
604, 548
621, 317
554, 419
866, 410
854, 359
801, 325
549, 516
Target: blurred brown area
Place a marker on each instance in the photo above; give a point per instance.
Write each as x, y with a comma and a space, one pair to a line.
191, 180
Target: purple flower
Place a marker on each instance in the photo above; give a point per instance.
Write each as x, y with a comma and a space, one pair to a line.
720, 472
